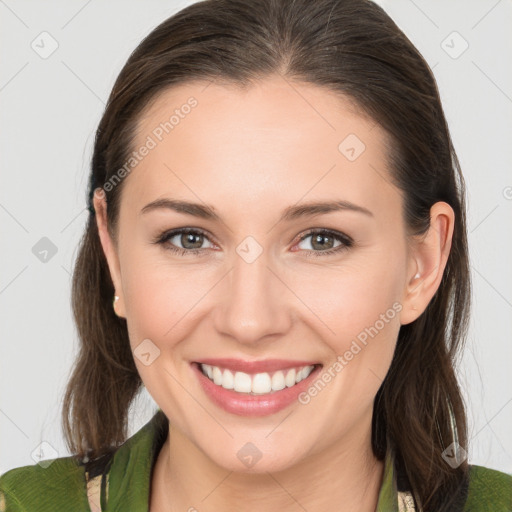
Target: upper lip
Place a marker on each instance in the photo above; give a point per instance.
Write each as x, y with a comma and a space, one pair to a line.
267, 365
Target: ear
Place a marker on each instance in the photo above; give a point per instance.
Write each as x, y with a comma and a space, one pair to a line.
428, 255
109, 248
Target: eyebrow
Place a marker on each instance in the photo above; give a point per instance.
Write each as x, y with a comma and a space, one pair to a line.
291, 213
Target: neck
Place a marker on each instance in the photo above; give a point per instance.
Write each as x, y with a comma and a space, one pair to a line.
347, 474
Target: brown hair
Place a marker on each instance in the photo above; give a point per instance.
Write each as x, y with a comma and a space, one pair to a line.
351, 47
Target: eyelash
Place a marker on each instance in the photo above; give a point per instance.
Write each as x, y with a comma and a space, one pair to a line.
346, 241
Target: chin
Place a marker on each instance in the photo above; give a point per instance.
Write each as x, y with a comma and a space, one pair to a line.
249, 457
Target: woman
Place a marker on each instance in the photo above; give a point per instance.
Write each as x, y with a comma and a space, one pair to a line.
277, 213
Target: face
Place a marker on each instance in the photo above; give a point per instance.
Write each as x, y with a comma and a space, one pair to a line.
262, 277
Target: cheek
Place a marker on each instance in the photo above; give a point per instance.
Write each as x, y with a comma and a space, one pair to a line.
355, 295
159, 287
160, 300
358, 312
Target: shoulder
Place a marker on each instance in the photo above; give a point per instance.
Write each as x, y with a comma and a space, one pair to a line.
55, 484
63, 484
489, 490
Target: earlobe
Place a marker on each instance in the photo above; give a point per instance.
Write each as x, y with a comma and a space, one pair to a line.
428, 257
109, 249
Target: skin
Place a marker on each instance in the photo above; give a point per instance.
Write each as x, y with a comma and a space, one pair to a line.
250, 154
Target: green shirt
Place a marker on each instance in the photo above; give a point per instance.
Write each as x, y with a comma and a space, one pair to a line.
123, 484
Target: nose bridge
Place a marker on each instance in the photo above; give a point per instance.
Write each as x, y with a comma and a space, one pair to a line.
254, 302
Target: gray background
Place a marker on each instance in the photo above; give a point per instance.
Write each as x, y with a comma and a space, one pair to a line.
50, 108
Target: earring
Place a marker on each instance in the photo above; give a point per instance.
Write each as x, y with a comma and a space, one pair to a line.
114, 302
417, 275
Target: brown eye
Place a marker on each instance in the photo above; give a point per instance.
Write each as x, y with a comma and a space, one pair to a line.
324, 242
183, 241
190, 240
321, 241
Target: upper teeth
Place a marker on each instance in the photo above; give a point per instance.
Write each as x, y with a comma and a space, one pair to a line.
260, 383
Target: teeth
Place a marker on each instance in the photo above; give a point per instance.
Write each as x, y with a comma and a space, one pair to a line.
242, 382
261, 383
217, 376
278, 382
258, 384
228, 381
290, 378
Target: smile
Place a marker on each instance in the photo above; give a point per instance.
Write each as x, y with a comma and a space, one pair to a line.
256, 384
257, 388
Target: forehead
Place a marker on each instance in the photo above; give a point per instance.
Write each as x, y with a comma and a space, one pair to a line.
274, 141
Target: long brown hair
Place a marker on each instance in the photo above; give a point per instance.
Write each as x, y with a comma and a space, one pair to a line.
347, 46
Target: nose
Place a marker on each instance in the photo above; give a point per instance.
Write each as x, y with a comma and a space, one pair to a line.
255, 302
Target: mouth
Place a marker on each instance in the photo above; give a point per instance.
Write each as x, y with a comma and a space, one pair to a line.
261, 383
254, 392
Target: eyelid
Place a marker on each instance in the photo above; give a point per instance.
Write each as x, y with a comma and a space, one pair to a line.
326, 231
170, 233
346, 242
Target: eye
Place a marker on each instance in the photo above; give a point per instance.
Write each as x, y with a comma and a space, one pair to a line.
325, 240
190, 239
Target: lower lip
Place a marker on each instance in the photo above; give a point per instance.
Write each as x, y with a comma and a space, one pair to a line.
252, 405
